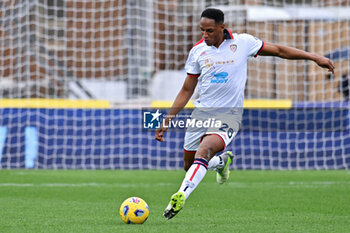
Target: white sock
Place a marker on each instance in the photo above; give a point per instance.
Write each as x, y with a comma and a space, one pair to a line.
194, 176
216, 162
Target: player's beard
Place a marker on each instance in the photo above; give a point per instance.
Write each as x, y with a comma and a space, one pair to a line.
208, 42
212, 41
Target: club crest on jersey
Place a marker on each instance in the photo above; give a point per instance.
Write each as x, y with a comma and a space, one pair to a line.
233, 47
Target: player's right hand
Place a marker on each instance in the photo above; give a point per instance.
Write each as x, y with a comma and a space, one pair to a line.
160, 133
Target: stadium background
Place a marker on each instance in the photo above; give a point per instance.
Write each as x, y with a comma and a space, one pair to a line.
75, 76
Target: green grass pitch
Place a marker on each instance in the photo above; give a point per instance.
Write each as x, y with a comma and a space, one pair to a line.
252, 201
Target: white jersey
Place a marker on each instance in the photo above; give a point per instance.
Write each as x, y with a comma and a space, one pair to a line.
222, 72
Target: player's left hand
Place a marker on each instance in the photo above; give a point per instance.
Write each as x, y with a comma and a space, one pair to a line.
325, 63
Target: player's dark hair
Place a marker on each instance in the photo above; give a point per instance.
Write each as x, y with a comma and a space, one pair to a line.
215, 14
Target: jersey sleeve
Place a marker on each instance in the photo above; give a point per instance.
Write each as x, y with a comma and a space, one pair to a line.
192, 66
254, 45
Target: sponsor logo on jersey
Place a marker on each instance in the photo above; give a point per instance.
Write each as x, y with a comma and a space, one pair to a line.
219, 77
224, 62
209, 64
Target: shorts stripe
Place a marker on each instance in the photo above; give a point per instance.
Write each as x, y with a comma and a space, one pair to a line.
190, 151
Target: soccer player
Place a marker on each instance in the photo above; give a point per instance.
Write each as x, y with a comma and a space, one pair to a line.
217, 64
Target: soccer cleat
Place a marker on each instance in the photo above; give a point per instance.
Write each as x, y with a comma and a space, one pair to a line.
223, 174
176, 203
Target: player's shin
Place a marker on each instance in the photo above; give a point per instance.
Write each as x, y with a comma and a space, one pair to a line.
194, 176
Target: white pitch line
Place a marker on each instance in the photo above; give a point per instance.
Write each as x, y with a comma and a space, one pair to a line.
235, 184
290, 184
15, 184
81, 185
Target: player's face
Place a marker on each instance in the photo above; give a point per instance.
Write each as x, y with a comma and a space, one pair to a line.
213, 34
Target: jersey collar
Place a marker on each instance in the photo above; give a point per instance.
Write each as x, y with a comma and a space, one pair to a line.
227, 34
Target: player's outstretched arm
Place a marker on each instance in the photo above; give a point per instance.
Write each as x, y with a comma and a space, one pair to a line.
285, 52
181, 100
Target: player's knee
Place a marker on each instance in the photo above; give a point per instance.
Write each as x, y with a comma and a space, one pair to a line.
207, 151
209, 147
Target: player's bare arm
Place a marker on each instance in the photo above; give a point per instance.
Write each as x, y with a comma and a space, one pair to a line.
285, 52
181, 100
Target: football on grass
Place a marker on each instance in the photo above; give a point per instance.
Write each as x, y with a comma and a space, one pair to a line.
134, 210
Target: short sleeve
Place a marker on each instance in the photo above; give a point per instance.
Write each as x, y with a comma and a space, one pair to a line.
254, 45
192, 66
